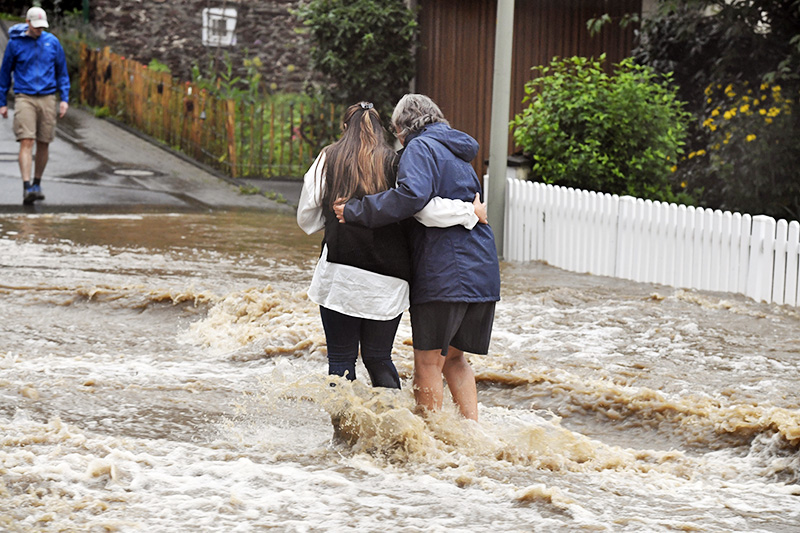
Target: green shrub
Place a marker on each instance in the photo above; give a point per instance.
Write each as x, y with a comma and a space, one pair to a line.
749, 163
620, 134
362, 48
739, 52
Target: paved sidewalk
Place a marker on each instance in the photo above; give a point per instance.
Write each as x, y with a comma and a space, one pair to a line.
95, 163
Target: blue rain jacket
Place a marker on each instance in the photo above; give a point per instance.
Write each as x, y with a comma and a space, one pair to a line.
448, 264
39, 65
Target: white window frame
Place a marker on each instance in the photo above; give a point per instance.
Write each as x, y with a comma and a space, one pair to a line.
214, 20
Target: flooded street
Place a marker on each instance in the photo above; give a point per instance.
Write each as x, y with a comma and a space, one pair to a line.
166, 372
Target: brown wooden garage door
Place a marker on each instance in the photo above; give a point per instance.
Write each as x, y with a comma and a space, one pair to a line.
456, 54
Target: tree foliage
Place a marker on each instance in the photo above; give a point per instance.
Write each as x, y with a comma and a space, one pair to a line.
737, 65
363, 49
618, 133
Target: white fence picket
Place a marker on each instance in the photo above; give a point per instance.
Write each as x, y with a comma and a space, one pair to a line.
793, 264
642, 240
779, 266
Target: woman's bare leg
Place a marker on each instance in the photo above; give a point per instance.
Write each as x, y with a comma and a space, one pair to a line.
428, 386
429, 370
461, 382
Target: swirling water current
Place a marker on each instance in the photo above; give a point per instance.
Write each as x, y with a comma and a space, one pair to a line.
166, 372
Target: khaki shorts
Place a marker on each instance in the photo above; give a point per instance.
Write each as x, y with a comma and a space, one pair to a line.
35, 117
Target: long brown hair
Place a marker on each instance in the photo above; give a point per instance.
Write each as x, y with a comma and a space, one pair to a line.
360, 161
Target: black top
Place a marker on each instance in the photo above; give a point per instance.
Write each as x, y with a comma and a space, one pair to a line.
383, 250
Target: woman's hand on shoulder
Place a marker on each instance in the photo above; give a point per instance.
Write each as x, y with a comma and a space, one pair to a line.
338, 208
480, 209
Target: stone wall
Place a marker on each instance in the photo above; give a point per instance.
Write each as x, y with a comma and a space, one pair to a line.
171, 32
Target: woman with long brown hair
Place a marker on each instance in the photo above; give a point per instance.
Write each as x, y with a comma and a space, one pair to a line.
361, 279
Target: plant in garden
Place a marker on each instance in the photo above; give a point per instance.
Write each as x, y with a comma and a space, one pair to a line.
752, 149
619, 133
362, 48
220, 81
738, 46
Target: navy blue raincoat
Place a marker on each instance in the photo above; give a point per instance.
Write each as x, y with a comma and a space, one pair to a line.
448, 264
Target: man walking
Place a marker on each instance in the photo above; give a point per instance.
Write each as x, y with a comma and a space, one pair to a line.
41, 92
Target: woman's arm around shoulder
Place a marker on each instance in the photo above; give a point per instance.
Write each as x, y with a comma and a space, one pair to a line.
446, 212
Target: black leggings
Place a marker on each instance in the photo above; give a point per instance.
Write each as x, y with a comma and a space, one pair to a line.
344, 333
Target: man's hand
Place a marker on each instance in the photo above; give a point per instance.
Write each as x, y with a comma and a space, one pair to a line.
4, 111
338, 208
480, 209
62, 109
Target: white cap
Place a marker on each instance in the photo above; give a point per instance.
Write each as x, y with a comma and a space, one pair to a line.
37, 18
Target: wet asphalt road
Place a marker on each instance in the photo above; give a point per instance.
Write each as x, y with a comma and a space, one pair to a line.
98, 164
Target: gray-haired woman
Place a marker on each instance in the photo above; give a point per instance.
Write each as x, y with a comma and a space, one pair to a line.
455, 280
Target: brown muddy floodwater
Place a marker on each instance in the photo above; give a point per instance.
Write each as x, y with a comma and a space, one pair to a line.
166, 372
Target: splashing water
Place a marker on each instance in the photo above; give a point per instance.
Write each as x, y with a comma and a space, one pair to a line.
167, 371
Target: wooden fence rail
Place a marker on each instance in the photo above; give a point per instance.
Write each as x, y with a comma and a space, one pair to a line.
655, 242
247, 137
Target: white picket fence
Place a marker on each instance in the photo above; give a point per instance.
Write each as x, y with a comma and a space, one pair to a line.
642, 240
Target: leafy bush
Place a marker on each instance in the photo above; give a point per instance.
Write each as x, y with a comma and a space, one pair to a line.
618, 134
750, 161
739, 52
363, 49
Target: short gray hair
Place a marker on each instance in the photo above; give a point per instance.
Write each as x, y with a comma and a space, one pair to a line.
413, 112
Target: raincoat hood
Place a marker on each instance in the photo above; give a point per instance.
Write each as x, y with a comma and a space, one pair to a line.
18, 31
459, 143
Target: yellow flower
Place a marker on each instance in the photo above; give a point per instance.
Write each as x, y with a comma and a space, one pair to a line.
701, 152
683, 184
673, 168
728, 115
691, 155
773, 112
755, 102
708, 91
708, 100
715, 113
716, 146
762, 111
776, 89
764, 86
708, 122
768, 120
745, 108
713, 127
750, 138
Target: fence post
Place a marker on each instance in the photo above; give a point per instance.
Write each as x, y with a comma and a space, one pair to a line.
759, 273
230, 124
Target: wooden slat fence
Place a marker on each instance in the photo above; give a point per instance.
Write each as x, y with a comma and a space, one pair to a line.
257, 137
647, 241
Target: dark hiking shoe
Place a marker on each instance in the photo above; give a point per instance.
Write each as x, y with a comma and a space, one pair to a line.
37, 191
29, 196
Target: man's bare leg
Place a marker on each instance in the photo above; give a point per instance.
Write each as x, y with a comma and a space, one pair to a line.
461, 382
42, 154
26, 158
